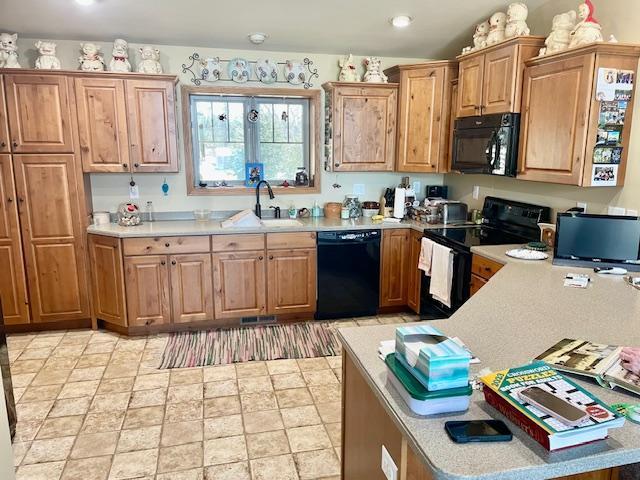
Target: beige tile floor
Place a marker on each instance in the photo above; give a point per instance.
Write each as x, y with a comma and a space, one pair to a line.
92, 405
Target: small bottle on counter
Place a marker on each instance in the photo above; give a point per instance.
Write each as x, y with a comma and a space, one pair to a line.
150, 213
293, 213
315, 211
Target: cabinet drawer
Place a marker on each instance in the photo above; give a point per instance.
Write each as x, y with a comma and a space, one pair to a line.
237, 243
160, 245
476, 284
291, 240
484, 268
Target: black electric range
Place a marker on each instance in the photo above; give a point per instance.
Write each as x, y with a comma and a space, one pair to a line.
504, 222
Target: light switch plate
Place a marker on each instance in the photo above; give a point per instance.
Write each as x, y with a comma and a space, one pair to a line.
632, 213
388, 466
358, 188
417, 186
476, 192
617, 211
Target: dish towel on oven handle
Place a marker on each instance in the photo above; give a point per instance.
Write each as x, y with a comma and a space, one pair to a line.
441, 274
426, 252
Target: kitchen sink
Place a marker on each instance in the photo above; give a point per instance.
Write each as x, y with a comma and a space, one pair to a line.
281, 222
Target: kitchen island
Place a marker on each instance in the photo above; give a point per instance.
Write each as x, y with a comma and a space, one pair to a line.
521, 311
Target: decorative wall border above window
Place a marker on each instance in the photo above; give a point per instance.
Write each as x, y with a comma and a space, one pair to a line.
240, 70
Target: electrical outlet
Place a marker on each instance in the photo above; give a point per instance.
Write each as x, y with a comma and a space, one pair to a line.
632, 213
358, 188
583, 206
476, 192
416, 187
617, 211
388, 466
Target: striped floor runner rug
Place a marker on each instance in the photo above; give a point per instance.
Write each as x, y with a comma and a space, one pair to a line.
243, 344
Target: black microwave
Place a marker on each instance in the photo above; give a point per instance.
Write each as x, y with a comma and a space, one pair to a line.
487, 144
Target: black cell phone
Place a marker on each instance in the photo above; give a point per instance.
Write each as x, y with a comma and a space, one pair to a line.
478, 431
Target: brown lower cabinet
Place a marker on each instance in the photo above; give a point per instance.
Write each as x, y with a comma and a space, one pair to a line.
366, 427
158, 281
414, 275
394, 267
482, 269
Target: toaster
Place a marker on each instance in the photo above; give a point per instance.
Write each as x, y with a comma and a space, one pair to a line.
453, 212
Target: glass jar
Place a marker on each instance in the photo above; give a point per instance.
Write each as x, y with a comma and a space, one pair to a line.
353, 204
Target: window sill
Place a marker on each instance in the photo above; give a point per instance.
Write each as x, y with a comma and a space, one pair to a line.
239, 191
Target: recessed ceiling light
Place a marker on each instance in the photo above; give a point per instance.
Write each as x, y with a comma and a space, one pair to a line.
401, 21
257, 38
85, 2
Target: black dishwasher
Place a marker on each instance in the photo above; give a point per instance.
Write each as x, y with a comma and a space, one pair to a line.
348, 274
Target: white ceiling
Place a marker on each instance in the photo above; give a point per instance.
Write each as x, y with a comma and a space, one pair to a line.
439, 30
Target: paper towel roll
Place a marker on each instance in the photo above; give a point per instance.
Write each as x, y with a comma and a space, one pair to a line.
398, 203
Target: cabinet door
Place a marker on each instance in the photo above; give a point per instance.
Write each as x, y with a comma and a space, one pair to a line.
414, 281
102, 124
552, 139
13, 288
239, 284
499, 81
53, 237
364, 128
39, 113
4, 125
393, 276
476, 284
108, 279
291, 286
470, 77
191, 287
147, 287
152, 125
421, 120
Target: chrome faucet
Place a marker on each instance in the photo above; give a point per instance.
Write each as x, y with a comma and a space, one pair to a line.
271, 196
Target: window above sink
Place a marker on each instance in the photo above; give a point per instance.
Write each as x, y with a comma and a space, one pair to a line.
227, 128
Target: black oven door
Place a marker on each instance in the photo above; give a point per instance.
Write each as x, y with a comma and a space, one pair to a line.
474, 150
431, 308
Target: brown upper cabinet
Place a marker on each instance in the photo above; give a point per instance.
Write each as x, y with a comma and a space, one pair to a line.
423, 115
490, 79
39, 113
152, 125
4, 124
557, 144
360, 128
126, 124
102, 124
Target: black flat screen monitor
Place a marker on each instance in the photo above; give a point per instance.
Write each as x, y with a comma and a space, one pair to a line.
597, 240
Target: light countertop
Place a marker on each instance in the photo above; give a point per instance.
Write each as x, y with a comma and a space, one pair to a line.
522, 311
167, 228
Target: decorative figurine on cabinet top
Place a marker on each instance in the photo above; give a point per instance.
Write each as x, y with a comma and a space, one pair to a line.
517, 14
120, 56
498, 24
9, 50
348, 72
150, 60
373, 73
47, 59
91, 59
588, 30
560, 36
480, 35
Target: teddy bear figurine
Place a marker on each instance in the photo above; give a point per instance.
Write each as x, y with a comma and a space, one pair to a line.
91, 59
560, 36
9, 50
47, 59
480, 35
120, 56
373, 73
348, 72
150, 60
588, 30
498, 24
517, 14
